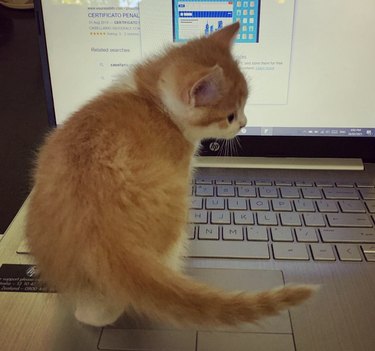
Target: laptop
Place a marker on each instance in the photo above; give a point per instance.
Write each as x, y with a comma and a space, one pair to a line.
292, 200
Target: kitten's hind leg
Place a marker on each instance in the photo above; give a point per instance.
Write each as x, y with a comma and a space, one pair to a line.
97, 312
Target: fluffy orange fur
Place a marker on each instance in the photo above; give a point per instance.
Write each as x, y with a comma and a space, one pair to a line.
108, 212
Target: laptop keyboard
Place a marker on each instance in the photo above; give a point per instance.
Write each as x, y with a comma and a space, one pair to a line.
283, 220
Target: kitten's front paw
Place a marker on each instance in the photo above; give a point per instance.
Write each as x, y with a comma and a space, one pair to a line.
97, 317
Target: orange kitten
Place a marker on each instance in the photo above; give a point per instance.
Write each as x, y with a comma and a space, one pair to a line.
108, 212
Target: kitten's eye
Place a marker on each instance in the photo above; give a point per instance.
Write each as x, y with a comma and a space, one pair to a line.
231, 118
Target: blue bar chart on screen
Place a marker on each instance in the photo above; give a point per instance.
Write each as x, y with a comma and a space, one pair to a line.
193, 18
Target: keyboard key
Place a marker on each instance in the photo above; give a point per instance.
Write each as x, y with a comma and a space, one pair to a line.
283, 183
202, 180
327, 206
352, 206
230, 249
197, 216
370, 257
257, 234
368, 194
243, 218
345, 185
259, 205
281, 205
220, 217
303, 183
324, 183
266, 218
348, 252
262, 182
232, 233
223, 181
246, 191
341, 194
314, 220
243, 181
322, 252
306, 235
342, 235
365, 184
368, 248
289, 193
370, 206
349, 220
208, 232
237, 204
204, 190
303, 205
191, 232
311, 193
288, 251
196, 203
282, 234
268, 192
215, 203
225, 190
290, 219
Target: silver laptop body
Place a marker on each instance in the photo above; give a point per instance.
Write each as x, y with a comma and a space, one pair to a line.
293, 203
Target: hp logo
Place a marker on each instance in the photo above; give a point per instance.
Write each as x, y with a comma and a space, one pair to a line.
214, 146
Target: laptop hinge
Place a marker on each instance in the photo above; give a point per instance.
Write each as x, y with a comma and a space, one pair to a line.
352, 164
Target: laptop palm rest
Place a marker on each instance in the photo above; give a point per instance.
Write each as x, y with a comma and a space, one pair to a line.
275, 333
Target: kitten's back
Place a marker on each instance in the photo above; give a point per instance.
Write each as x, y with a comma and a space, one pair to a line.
107, 175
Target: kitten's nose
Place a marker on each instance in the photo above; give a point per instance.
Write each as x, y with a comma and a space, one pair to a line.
243, 123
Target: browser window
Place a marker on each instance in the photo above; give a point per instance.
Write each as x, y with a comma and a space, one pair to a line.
303, 78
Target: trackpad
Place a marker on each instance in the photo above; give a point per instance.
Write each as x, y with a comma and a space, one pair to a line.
147, 340
248, 280
136, 333
222, 341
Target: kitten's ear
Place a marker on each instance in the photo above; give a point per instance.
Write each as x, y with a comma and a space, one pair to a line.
207, 90
227, 35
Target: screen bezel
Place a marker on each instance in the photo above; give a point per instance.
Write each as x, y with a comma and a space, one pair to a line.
251, 146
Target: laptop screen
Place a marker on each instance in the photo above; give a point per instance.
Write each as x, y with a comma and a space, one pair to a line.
309, 64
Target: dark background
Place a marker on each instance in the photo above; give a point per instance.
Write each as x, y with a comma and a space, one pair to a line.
23, 113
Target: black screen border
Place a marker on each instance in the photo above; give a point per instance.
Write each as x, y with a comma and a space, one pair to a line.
292, 146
